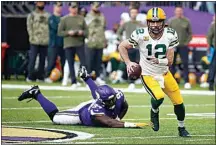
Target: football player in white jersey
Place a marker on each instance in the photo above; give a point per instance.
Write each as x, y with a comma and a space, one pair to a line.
156, 43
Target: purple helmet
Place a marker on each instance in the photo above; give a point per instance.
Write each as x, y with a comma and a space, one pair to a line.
106, 95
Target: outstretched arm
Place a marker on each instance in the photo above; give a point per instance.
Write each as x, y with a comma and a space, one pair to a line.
105, 121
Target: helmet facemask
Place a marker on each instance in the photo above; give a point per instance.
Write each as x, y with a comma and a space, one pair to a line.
156, 27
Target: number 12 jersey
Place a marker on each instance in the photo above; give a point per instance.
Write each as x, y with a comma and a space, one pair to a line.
157, 48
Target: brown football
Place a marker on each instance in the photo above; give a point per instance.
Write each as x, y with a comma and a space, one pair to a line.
137, 72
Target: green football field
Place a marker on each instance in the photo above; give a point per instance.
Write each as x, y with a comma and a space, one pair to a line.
200, 116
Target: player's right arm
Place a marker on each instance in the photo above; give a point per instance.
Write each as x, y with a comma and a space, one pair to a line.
123, 50
100, 119
103, 120
29, 24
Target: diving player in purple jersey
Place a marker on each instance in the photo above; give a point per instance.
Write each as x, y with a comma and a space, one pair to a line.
106, 109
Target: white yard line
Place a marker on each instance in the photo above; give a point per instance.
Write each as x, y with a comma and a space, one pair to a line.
49, 97
141, 137
92, 142
140, 119
131, 106
184, 92
199, 139
196, 114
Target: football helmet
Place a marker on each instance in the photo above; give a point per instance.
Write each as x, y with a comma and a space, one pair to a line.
156, 20
106, 95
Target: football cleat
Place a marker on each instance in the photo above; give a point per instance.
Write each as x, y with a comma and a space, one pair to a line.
31, 93
155, 120
83, 72
183, 132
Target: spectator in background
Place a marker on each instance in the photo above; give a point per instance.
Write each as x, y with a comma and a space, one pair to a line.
55, 42
125, 17
129, 27
212, 67
38, 31
211, 7
83, 12
74, 30
111, 56
96, 40
183, 28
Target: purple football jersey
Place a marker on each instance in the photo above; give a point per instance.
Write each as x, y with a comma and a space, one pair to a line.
95, 107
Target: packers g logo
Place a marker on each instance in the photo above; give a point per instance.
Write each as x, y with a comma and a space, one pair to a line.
16, 134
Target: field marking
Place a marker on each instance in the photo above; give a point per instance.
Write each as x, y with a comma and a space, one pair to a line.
131, 106
199, 139
70, 97
146, 119
197, 114
92, 142
48, 97
141, 90
141, 137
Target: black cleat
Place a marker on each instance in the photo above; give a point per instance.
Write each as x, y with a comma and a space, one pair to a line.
183, 132
83, 72
31, 93
155, 120
211, 87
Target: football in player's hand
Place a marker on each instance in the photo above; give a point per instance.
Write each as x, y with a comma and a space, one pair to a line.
136, 73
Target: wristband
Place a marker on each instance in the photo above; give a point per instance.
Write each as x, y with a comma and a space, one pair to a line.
129, 125
163, 61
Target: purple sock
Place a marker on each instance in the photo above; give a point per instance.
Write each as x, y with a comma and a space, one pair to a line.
47, 106
92, 87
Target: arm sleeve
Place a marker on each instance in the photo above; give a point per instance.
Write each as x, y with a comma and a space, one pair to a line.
134, 39
61, 29
92, 87
124, 109
189, 33
53, 26
120, 31
29, 24
174, 41
85, 29
210, 35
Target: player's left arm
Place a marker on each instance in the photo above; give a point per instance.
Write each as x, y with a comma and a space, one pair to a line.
124, 105
124, 110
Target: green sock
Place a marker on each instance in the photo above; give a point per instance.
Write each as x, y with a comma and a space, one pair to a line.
180, 111
156, 103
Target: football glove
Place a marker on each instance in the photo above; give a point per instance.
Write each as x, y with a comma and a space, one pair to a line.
135, 125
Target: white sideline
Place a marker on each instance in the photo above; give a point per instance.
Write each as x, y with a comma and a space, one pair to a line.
184, 92
147, 119
131, 106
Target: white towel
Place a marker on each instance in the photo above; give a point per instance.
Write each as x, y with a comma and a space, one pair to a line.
160, 80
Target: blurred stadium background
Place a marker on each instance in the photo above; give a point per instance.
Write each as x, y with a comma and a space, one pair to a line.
14, 31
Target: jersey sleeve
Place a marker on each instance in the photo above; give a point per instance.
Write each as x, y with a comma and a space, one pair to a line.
96, 109
134, 38
174, 40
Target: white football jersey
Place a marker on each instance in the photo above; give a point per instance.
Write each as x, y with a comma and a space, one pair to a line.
153, 48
